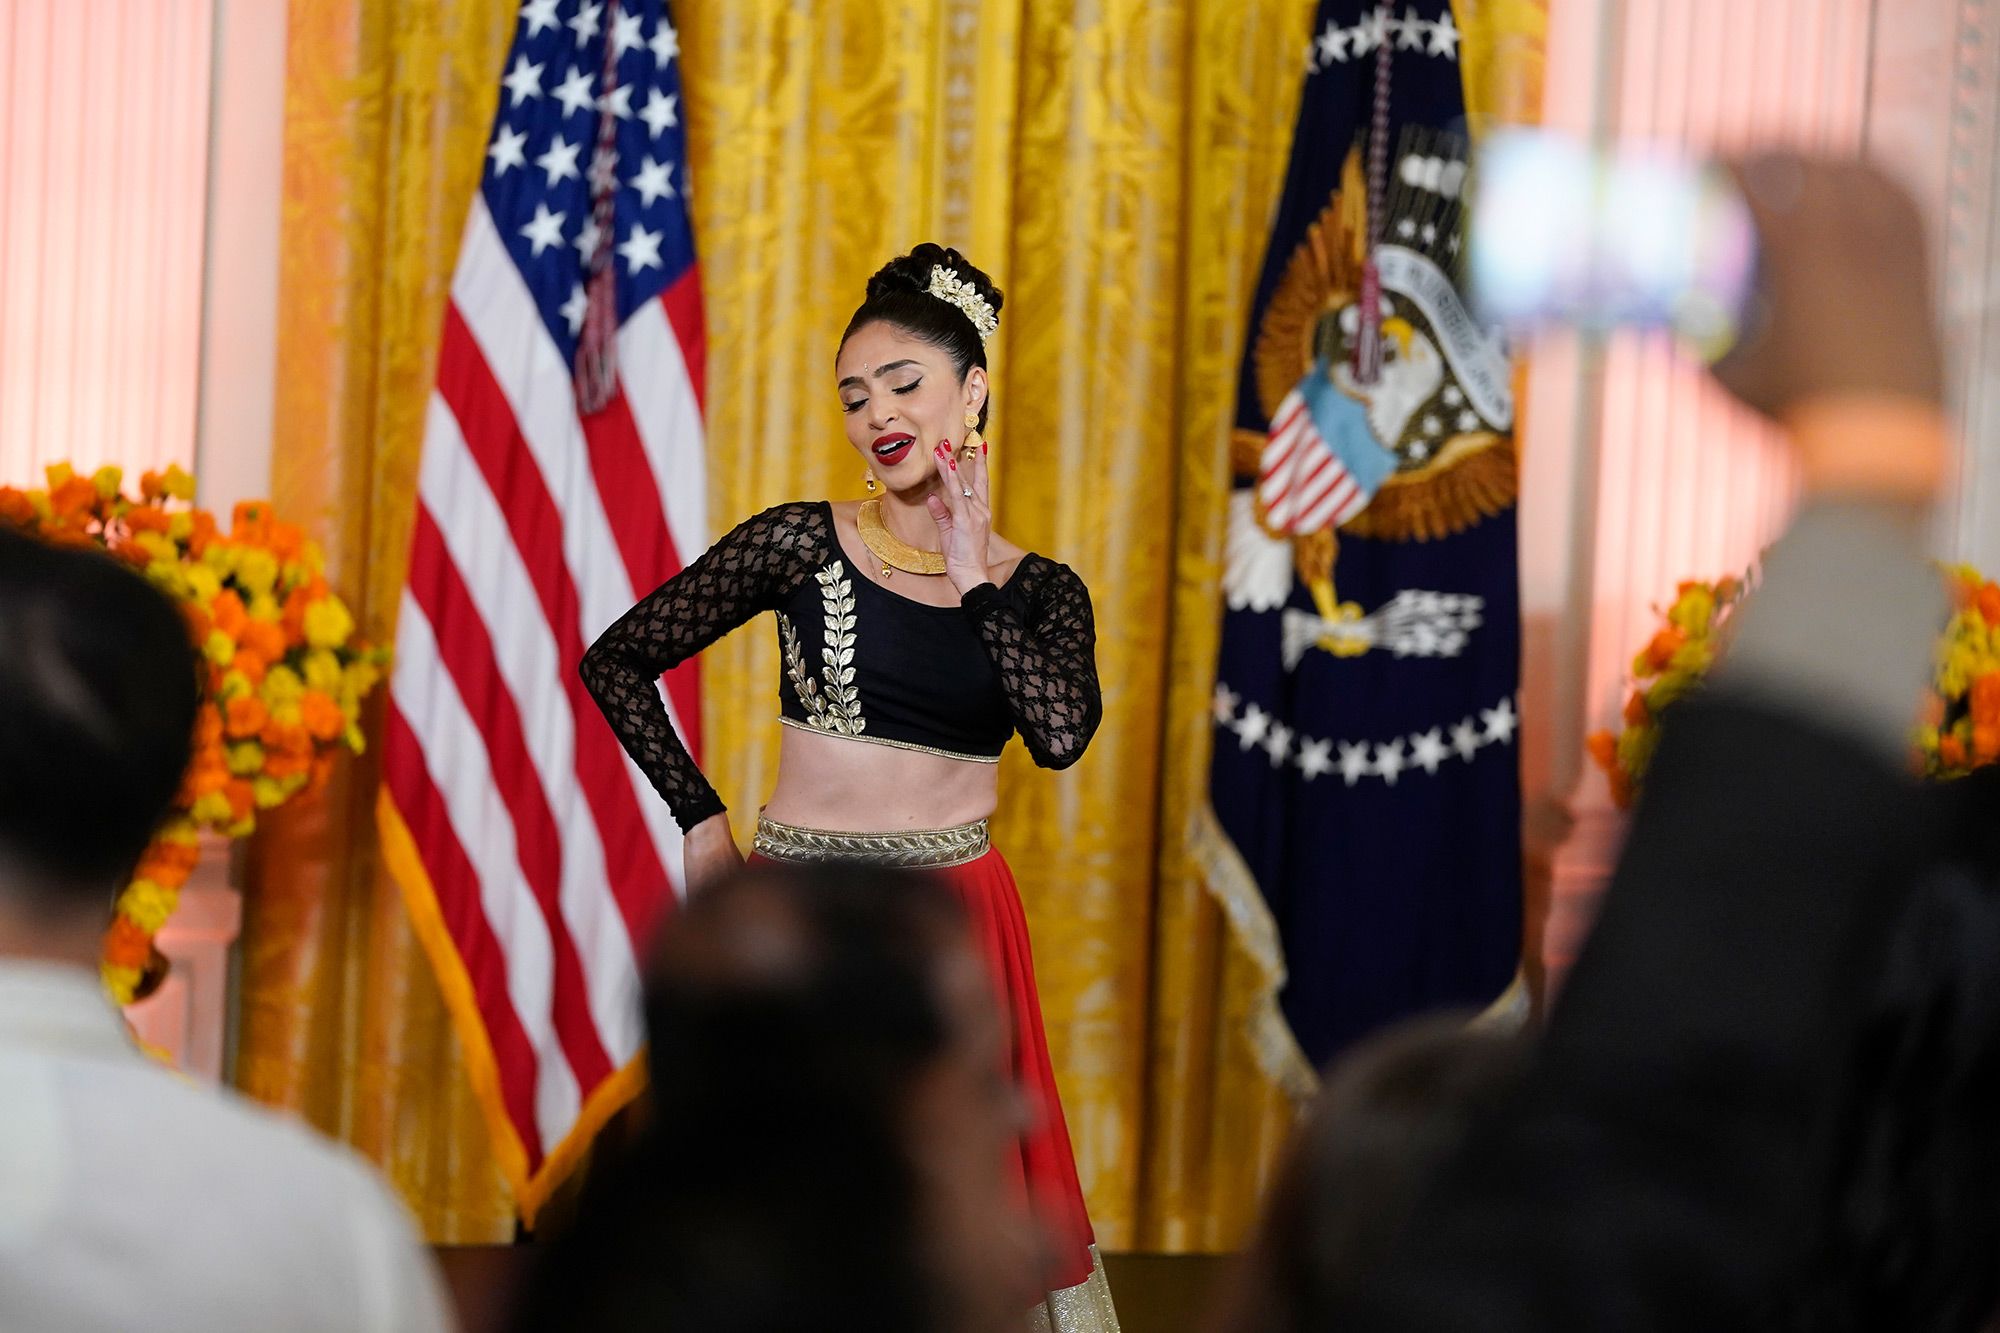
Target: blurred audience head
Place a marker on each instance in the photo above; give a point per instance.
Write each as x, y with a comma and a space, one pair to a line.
827, 1130
98, 691
1390, 1115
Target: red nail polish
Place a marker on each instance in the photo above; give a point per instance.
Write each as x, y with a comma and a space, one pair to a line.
983, 447
954, 464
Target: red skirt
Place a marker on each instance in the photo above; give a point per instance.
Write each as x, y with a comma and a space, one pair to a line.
1044, 1165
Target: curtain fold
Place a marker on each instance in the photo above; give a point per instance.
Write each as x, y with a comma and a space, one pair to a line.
1113, 164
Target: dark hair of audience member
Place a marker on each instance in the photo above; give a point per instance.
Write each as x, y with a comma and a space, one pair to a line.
790, 1014
1391, 1113
1907, 1234
98, 691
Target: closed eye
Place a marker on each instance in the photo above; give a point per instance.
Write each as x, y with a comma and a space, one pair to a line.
855, 406
911, 387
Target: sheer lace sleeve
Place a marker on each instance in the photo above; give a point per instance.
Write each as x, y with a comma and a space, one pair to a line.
1047, 659
749, 571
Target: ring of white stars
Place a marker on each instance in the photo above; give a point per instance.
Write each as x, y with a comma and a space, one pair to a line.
1387, 761
1339, 45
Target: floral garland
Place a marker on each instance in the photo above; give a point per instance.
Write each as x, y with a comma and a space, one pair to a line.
1961, 726
285, 675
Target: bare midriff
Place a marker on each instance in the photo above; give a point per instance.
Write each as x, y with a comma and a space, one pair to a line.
842, 785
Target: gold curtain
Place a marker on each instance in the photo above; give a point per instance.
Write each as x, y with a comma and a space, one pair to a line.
1114, 164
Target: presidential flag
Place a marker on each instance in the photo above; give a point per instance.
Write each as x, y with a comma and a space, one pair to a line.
562, 479
1365, 784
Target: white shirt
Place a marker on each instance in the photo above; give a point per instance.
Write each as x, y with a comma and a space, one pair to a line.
131, 1198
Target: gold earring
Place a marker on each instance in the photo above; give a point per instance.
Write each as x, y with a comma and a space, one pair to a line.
871, 479
971, 419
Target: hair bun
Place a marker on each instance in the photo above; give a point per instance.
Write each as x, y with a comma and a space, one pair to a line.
912, 273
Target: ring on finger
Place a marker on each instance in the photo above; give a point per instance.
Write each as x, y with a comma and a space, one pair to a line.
966, 492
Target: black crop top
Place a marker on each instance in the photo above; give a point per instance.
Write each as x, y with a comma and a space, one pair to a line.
860, 662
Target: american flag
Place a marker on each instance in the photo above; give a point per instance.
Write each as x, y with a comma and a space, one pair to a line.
535, 857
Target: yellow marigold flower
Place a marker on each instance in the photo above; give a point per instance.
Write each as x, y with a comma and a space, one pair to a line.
120, 983
58, 473
270, 792
1667, 689
179, 484
179, 829
328, 623
204, 582
361, 677
1694, 657
157, 546
212, 809
323, 671
106, 481
242, 828
222, 557
220, 648
170, 577
282, 688
246, 759
266, 608
257, 571
235, 684
1692, 610
287, 714
180, 526
148, 904
355, 740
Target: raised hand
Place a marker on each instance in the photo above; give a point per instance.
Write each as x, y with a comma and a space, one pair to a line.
963, 511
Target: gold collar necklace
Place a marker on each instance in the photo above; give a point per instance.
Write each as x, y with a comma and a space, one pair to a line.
891, 550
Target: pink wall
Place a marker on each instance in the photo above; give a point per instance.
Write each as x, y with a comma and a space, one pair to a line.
1639, 473
104, 124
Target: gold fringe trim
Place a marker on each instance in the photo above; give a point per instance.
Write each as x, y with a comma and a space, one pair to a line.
1084, 1308
1234, 889
1511, 1012
531, 1189
1446, 498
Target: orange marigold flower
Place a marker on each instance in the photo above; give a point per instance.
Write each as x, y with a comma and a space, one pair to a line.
287, 540
1985, 742
1987, 599
153, 485
125, 944
1932, 710
1660, 652
75, 496
251, 521
1985, 699
252, 667
228, 613
1728, 588
131, 553
263, 640
1603, 748
242, 798
322, 715
1951, 751
282, 764
147, 518
204, 533
207, 727
198, 621
1621, 789
1635, 709
246, 716
16, 507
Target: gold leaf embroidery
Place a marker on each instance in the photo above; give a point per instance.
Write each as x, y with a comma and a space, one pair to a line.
838, 711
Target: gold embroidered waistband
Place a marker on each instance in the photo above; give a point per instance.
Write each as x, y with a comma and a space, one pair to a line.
927, 848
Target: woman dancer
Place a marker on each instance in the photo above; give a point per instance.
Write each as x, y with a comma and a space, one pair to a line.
916, 641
